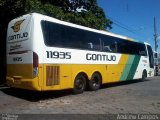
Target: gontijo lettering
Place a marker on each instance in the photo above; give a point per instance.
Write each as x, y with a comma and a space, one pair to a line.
18, 36
100, 57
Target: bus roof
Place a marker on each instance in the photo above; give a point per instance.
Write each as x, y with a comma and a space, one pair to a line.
51, 19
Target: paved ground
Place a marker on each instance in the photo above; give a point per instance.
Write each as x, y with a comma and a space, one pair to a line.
127, 97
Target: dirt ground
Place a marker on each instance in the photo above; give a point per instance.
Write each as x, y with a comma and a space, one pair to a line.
128, 97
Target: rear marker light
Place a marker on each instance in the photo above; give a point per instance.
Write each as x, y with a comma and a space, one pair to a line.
35, 64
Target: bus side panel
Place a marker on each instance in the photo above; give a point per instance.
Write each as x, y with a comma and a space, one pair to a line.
89, 69
110, 72
66, 76
116, 71
130, 68
144, 65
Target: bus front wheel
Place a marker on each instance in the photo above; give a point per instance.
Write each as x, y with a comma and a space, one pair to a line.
144, 75
79, 84
95, 82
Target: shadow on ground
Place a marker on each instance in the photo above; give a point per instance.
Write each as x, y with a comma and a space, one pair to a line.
36, 96
109, 85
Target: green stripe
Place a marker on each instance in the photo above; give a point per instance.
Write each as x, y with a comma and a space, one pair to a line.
133, 67
127, 67
130, 68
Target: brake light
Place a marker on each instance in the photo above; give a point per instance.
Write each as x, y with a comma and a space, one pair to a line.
35, 60
35, 64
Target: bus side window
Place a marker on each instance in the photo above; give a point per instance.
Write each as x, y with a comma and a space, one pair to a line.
107, 48
109, 44
90, 45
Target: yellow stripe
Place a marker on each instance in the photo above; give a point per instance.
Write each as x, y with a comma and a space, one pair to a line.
123, 62
115, 71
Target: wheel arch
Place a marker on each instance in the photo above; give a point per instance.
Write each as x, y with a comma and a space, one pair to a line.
145, 71
99, 73
82, 73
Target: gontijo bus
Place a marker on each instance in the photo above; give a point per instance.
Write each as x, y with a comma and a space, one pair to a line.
44, 53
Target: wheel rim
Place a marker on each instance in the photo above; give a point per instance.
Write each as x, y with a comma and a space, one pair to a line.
95, 81
79, 84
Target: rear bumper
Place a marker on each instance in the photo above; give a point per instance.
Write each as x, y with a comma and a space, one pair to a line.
29, 84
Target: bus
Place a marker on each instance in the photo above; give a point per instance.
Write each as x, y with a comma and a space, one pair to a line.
44, 53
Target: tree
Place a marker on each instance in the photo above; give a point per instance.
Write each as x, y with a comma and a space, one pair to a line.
83, 12
9, 9
89, 14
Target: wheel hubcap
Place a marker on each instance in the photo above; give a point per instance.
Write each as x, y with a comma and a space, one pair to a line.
95, 82
79, 84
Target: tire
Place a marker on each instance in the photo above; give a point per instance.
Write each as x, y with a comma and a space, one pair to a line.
79, 84
95, 82
144, 75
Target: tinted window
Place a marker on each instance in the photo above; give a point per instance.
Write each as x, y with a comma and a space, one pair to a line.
65, 36
69, 37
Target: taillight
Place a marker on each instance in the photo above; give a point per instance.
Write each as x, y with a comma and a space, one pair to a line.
35, 64
35, 60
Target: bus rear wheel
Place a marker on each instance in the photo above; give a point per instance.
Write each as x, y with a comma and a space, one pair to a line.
79, 84
95, 82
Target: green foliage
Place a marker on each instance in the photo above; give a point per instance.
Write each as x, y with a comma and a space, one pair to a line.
89, 14
53, 11
33, 6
